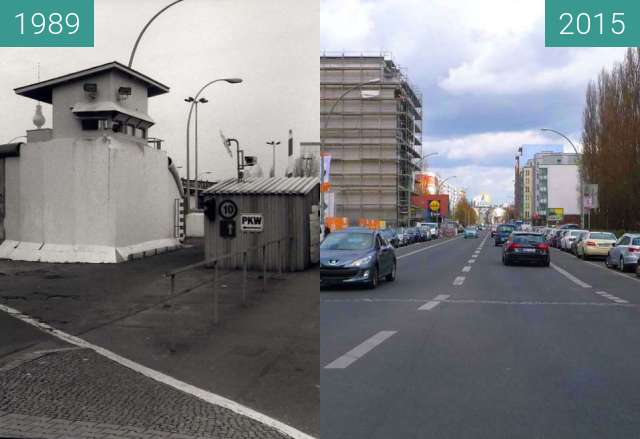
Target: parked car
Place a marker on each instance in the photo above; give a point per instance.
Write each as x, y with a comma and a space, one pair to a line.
391, 236
569, 237
625, 253
470, 232
402, 236
526, 247
434, 229
412, 235
502, 233
356, 256
425, 233
595, 244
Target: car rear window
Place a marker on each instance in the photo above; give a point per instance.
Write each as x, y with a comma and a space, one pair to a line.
636, 241
506, 228
348, 241
528, 239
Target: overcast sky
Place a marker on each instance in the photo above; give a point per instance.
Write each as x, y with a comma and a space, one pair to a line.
272, 45
489, 83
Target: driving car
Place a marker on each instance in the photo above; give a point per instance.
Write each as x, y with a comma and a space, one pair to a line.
569, 237
625, 253
494, 227
470, 232
595, 244
502, 233
528, 247
356, 256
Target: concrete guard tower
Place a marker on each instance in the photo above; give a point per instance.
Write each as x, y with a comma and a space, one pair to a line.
94, 187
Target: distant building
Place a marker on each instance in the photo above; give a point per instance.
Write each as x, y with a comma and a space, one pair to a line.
556, 183
373, 135
94, 187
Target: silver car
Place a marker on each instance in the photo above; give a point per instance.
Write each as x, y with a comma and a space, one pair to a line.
625, 253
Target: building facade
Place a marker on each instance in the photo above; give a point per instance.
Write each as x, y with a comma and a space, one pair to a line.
373, 134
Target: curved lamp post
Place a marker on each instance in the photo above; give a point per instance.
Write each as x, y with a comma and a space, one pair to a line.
325, 126
144, 29
193, 104
423, 158
444, 181
16, 138
581, 199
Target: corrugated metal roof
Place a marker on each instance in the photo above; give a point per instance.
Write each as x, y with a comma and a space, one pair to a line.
266, 186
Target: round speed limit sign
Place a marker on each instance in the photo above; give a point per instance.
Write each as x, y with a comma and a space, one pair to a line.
228, 209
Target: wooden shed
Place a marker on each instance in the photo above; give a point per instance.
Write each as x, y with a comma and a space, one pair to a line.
283, 207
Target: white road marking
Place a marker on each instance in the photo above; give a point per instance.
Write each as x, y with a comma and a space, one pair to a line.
570, 276
459, 280
611, 297
471, 261
359, 351
507, 302
466, 269
427, 248
204, 395
433, 303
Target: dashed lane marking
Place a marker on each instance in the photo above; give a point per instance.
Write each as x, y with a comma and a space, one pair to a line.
611, 297
514, 302
427, 248
458, 281
471, 261
360, 351
204, 395
433, 303
570, 276
466, 269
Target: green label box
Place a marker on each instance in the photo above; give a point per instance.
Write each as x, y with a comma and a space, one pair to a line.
592, 23
46, 23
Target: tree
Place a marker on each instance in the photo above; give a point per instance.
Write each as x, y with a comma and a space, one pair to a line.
464, 213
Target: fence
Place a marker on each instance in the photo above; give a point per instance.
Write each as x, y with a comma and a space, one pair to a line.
244, 255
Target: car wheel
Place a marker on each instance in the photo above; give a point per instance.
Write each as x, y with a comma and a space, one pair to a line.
392, 276
621, 266
638, 270
606, 262
373, 282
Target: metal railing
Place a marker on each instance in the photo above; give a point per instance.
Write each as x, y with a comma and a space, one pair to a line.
244, 254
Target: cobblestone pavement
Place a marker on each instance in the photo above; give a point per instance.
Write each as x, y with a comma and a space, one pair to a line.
78, 394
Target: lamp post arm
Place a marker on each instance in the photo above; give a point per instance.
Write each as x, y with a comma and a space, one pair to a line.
135, 46
565, 137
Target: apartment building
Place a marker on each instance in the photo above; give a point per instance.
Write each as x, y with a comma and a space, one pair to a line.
373, 133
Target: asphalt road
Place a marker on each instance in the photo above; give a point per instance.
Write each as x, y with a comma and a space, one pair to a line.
462, 349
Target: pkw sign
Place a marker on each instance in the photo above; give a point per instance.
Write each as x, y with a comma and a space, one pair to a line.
251, 222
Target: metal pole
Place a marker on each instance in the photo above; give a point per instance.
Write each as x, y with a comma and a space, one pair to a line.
274, 160
279, 258
173, 284
264, 268
196, 155
135, 46
244, 278
215, 293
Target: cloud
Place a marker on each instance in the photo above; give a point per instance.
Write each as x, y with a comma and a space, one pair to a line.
496, 181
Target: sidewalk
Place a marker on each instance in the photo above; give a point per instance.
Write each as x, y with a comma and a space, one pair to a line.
264, 356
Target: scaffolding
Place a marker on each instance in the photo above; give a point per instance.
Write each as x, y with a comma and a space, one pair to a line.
375, 142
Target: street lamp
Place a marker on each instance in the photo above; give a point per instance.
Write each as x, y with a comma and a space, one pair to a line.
581, 199
322, 142
423, 158
273, 143
444, 181
144, 29
193, 104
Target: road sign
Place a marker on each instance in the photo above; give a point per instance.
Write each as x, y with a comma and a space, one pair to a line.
591, 196
555, 214
228, 209
251, 222
227, 228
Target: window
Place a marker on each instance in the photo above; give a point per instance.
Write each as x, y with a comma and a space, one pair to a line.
141, 133
89, 124
131, 130
625, 240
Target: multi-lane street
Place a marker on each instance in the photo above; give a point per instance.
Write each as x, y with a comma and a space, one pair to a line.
461, 346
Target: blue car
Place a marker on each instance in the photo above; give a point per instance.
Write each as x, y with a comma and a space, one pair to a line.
356, 256
470, 232
503, 232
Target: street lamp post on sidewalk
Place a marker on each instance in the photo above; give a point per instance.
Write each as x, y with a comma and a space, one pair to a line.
581, 199
326, 126
423, 158
273, 144
197, 103
191, 107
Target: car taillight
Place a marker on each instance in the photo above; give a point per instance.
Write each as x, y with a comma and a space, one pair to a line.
634, 249
512, 246
591, 244
544, 247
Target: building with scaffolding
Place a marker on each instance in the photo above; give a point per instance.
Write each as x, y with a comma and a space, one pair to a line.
372, 129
